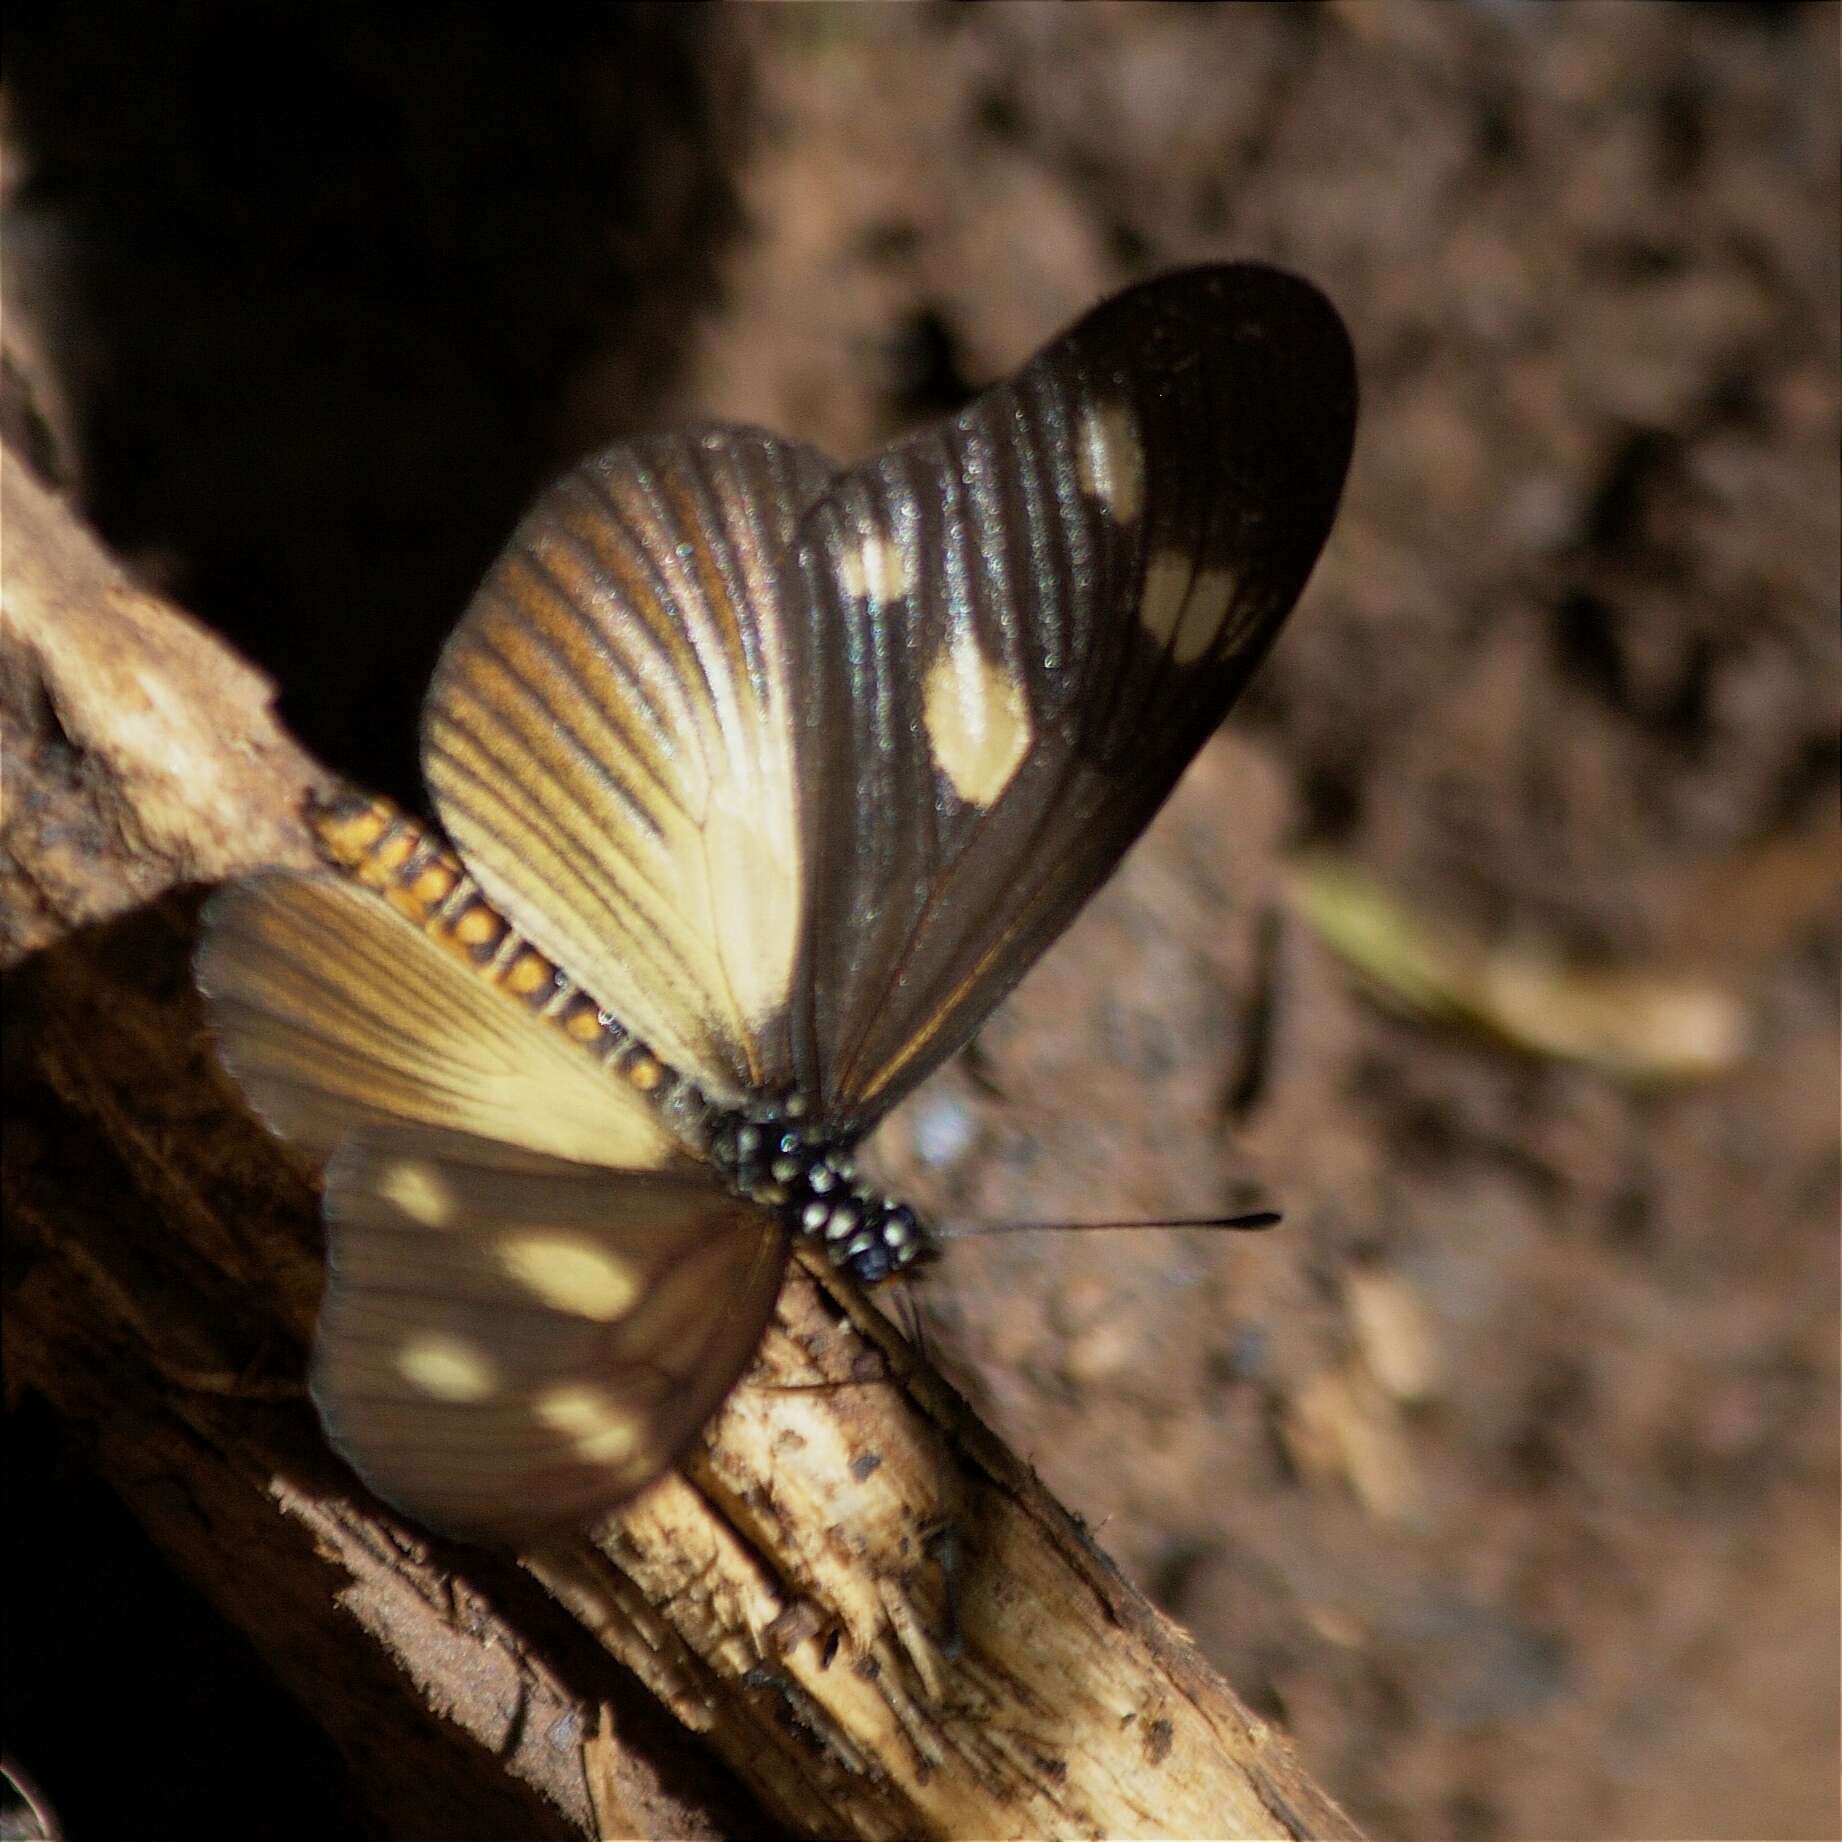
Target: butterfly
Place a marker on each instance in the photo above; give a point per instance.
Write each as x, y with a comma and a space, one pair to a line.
762, 782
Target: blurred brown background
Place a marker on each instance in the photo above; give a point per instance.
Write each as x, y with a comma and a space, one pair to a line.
1505, 1474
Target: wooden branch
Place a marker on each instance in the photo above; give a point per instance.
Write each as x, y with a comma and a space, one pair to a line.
860, 1599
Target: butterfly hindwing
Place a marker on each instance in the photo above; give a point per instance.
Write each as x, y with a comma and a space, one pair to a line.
609, 741
512, 1342
1012, 632
334, 1012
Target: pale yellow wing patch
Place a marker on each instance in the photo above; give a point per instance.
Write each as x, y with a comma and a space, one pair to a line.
1183, 607
572, 1273
876, 570
333, 1012
447, 1368
977, 721
421, 1192
600, 1429
1109, 461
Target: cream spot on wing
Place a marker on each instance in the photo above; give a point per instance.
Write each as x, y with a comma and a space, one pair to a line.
1110, 462
876, 568
1203, 615
601, 1431
572, 1274
978, 724
754, 908
449, 1368
1167, 587
420, 1191
743, 886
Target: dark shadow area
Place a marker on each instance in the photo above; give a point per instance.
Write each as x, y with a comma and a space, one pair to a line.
336, 293
121, 1677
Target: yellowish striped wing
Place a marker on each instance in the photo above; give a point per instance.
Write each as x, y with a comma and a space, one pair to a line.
334, 1012
610, 739
800, 773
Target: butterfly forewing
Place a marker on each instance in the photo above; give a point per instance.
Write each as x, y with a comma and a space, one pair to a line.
799, 774
334, 1012
610, 742
1013, 632
511, 1342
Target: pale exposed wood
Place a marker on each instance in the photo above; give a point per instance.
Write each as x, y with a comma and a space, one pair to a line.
789, 1598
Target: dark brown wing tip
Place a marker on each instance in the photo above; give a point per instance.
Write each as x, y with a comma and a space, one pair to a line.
1157, 327
1253, 358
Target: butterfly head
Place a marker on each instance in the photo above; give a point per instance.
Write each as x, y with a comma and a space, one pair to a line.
809, 1177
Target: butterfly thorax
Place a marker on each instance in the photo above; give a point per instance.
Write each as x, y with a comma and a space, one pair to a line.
810, 1179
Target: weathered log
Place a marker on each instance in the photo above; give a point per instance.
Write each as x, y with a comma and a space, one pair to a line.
853, 1592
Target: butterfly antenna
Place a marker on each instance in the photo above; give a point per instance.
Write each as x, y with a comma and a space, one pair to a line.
1251, 1220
